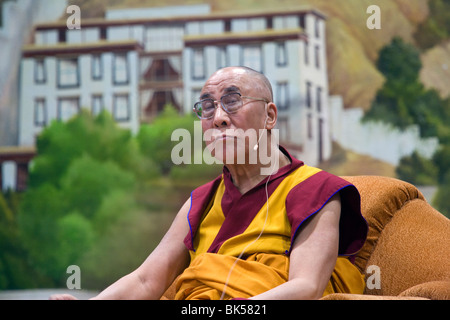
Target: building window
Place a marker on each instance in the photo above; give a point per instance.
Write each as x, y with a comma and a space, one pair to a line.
283, 125
306, 53
164, 38
317, 28
308, 94
120, 69
62, 36
68, 73
97, 104
40, 112
282, 96
252, 57
161, 38
121, 107
301, 21
103, 33
281, 54
227, 27
319, 99
40, 73
222, 57
195, 96
96, 67
317, 56
198, 65
269, 23
68, 108
310, 126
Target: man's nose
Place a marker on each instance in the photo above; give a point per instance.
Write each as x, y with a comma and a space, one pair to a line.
221, 118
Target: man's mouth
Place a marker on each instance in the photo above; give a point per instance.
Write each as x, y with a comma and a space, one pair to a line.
223, 137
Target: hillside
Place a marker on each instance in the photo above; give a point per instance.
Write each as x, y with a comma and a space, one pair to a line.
352, 47
347, 163
436, 68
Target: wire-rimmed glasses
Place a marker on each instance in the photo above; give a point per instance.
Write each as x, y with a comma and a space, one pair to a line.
231, 103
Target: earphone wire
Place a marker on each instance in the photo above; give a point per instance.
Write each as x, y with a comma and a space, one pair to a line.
257, 238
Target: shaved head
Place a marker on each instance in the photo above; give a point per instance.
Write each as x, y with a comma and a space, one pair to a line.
259, 80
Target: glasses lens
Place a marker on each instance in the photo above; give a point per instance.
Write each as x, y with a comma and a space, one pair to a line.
205, 108
198, 110
232, 102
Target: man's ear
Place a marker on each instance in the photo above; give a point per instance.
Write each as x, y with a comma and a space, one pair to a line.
271, 116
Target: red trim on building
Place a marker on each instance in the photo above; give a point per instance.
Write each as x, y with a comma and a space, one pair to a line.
77, 49
247, 37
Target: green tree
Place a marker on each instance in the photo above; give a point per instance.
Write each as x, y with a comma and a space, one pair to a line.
125, 235
442, 161
87, 181
155, 139
75, 236
417, 170
58, 224
403, 101
41, 208
396, 102
442, 198
97, 198
399, 62
14, 270
79, 164
100, 137
436, 27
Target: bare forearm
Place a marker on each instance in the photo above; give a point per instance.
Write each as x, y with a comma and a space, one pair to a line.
296, 289
313, 256
129, 287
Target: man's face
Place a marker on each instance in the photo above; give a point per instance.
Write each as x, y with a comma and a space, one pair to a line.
221, 131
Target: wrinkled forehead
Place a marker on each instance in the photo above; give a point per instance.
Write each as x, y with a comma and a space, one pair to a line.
227, 80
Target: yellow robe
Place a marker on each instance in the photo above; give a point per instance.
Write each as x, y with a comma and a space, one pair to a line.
215, 272
213, 277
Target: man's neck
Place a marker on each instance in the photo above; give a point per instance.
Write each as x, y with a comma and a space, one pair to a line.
246, 176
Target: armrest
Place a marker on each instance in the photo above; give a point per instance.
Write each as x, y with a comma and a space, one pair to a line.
346, 296
435, 290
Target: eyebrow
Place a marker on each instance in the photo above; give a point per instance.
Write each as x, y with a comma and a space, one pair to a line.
230, 89
205, 96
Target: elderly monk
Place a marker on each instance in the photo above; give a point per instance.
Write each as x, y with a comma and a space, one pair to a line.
286, 234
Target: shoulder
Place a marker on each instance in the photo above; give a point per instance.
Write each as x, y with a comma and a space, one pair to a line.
315, 188
206, 189
199, 201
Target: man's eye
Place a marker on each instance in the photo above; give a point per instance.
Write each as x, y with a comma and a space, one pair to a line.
207, 105
231, 101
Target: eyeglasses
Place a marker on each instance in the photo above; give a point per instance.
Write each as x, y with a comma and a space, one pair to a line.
231, 103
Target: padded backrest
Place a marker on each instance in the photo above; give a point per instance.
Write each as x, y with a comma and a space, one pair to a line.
408, 240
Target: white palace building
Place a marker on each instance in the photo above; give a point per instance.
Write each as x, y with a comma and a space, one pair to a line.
133, 62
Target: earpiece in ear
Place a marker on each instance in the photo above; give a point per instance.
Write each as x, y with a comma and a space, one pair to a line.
260, 136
